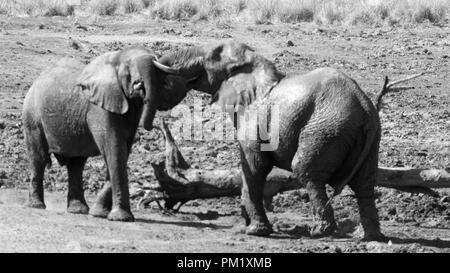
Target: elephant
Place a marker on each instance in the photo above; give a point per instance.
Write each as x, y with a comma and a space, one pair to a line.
328, 130
75, 111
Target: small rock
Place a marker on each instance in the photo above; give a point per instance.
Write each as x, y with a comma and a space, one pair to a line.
212, 153
82, 27
335, 249
319, 30
141, 31
135, 191
376, 247
290, 43
147, 147
392, 211
431, 224
399, 163
296, 230
188, 34
20, 43
75, 44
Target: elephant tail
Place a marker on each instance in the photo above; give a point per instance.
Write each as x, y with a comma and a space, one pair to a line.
371, 131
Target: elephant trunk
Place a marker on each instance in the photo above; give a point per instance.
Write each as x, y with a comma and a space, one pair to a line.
151, 101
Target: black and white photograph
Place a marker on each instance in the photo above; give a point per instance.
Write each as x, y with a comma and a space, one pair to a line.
257, 127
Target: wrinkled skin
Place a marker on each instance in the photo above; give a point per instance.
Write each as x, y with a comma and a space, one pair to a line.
75, 112
329, 130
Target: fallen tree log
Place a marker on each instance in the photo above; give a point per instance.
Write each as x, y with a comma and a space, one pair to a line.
178, 183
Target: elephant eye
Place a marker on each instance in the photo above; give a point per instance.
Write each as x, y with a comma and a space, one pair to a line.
138, 85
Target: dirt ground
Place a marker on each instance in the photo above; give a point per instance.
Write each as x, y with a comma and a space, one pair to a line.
415, 120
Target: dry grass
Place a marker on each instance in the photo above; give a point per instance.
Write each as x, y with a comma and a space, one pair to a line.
351, 12
196, 9
174, 10
394, 12
103, 7
37, 7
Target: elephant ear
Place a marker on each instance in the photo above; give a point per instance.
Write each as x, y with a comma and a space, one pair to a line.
238, 92
239, 55
229, 56
99, 80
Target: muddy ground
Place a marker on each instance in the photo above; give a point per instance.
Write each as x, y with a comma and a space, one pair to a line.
416, 129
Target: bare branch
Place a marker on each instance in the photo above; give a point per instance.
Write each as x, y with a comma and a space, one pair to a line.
388, 85
404, 80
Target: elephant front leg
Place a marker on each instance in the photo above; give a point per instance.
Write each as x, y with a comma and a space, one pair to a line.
255, 167
117, 168
76, 202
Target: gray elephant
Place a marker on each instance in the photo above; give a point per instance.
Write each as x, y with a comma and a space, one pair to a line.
329, 130
75, 112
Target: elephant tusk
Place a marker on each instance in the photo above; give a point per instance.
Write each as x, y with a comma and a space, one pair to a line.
165, 68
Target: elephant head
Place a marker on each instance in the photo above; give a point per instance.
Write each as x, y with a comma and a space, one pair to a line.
114, 79
206, 68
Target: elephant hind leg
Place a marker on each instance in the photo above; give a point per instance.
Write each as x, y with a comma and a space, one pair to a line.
75, 198
364, 187
324, 222
37, 149
314, 165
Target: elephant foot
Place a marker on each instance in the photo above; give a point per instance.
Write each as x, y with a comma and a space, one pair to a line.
35, 204
323, 229
374, 236
118, 214
259, 229
99, 211
77, 207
